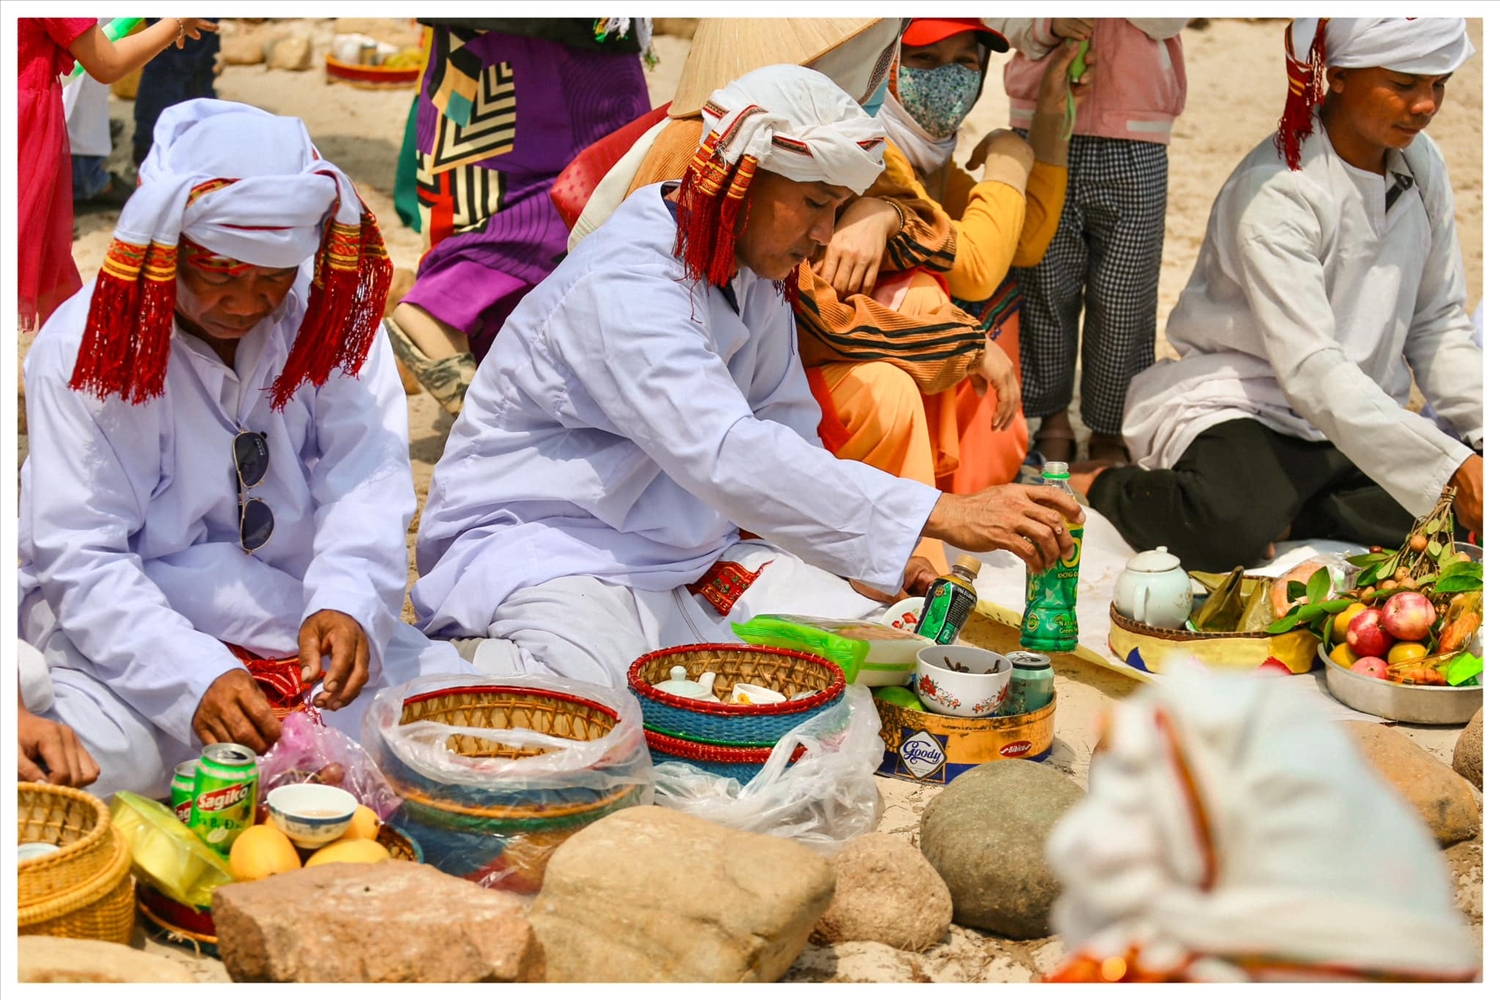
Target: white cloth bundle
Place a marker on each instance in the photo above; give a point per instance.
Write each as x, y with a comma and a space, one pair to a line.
1231, 831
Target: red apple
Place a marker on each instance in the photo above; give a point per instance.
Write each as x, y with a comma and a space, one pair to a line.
1367, 636
1371, 666
1408, 616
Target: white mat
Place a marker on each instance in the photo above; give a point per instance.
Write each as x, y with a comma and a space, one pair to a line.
1002, 593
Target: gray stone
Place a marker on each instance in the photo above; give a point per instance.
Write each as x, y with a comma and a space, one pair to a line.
388, 922
1443, 798
1468, 752
985, 834
887, 892
292, 53
652, 895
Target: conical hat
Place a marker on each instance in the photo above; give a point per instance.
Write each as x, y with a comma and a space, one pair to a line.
726, 48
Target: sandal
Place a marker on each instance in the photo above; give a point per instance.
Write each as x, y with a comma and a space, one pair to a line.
446, 379
1054, 434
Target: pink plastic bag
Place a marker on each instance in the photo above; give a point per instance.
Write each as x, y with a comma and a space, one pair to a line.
309, 751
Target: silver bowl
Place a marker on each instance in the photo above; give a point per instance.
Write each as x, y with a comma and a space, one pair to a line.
1431, 705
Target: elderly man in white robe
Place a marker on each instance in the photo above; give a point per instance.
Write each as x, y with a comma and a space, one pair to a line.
1330, 275
218, 488
644, 411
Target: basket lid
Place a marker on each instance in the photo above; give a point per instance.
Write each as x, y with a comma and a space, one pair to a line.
1157, 560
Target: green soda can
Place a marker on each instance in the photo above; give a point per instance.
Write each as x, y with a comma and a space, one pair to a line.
182, 789
224, 794
1051, 619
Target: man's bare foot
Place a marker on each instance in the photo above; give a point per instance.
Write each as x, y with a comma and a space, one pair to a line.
1107, 448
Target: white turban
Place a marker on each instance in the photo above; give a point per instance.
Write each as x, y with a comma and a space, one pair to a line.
272, 216
1231, 831
797, 123
1421, 46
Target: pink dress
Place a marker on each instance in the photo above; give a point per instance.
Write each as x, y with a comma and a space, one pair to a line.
46, 273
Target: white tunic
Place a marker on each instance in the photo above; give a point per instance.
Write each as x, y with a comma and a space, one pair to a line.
129, 529
1308, 302
626, 424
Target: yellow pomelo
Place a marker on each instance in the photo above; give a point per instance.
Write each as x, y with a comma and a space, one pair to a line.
364, 826
358, 851
1342, 655
1343, 618
260, 851
1404, 652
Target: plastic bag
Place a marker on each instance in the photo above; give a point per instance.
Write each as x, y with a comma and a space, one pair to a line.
492, 804
827, 798
309, 751
166, 853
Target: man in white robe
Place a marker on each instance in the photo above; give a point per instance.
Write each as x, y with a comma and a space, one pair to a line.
644, 410
1330, 275
215, 458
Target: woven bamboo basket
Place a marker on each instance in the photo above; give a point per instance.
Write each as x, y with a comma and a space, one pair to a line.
85, 889
739, 763
790, 672
370, 77
483, 707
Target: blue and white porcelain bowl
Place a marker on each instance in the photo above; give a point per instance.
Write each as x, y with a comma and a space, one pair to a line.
311, 815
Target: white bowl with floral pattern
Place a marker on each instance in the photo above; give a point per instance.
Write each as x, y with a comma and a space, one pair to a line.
964, 682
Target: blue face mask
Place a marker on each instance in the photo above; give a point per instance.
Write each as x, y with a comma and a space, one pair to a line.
938, 99
876, 100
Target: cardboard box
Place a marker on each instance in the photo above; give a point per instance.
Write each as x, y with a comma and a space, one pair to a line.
934, 749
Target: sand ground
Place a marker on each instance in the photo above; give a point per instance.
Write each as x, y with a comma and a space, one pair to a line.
1236, 87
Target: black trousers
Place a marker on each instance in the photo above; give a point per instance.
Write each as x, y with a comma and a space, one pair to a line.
1237, 488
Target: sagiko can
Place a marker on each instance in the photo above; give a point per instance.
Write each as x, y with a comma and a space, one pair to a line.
182, 789
224, 794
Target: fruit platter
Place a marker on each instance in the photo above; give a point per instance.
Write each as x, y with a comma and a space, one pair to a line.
1399, 633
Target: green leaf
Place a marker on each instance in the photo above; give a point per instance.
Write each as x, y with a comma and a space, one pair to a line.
1328, 633
1366, 559
1295, 589
1286, 624
1458, 585
1369, 576
1318, 586
1387, 568
1332, 607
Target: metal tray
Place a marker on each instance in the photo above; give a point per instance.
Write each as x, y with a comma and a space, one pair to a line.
1424, 704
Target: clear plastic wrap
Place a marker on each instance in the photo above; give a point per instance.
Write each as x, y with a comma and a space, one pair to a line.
309, 751
824, 800
489, 783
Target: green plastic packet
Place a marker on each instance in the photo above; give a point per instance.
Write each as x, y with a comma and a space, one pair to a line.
1465, 671
165, 853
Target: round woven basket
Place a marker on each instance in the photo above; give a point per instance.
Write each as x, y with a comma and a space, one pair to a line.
85, 889
370, 77
740, 763
758, 726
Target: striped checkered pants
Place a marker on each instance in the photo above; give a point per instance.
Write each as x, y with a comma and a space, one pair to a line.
1104, 261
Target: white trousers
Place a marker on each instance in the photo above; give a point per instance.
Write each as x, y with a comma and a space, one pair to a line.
582, 628
134, 755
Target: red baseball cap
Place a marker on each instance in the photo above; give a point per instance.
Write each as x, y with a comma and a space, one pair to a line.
931, 30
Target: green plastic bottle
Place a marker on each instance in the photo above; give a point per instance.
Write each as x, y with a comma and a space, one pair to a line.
1051, 620
950, 601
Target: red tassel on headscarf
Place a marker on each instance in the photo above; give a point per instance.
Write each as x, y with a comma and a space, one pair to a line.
1304, 95
344, 307
128, 336
711, 215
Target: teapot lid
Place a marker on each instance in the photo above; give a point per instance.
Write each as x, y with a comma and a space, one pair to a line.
1157, 560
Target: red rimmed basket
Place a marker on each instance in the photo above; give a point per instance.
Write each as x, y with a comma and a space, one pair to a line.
755, 726
739, 763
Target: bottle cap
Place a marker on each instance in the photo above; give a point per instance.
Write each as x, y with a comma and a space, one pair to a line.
1055, 470
969, 563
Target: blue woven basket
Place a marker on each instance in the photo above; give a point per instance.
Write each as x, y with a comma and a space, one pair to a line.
739, 763
788, 671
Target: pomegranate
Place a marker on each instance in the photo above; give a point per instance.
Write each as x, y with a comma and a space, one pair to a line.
1370, 666
1408, 616
1367, 636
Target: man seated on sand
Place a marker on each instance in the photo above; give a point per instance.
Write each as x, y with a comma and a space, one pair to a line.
1330, 265
218, 487
645, 405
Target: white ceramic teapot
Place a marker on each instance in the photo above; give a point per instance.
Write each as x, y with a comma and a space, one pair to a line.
677, 684
1155, 590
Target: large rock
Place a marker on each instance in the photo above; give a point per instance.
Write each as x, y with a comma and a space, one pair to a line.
398, 31
1468, 753
68, 960
887, 892
243, 47
391, 922
1439, 794
985, 833
293, 53
653, 895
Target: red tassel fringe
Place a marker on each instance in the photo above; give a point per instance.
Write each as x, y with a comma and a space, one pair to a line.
127, 339
1304, 96
710, 218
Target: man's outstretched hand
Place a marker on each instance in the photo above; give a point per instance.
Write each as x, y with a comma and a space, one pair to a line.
339, 637
234, 710
1029, 521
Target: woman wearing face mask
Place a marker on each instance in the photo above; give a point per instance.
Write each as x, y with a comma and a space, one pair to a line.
907, 324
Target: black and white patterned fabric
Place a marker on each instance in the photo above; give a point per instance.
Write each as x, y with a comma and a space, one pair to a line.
1104, 261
